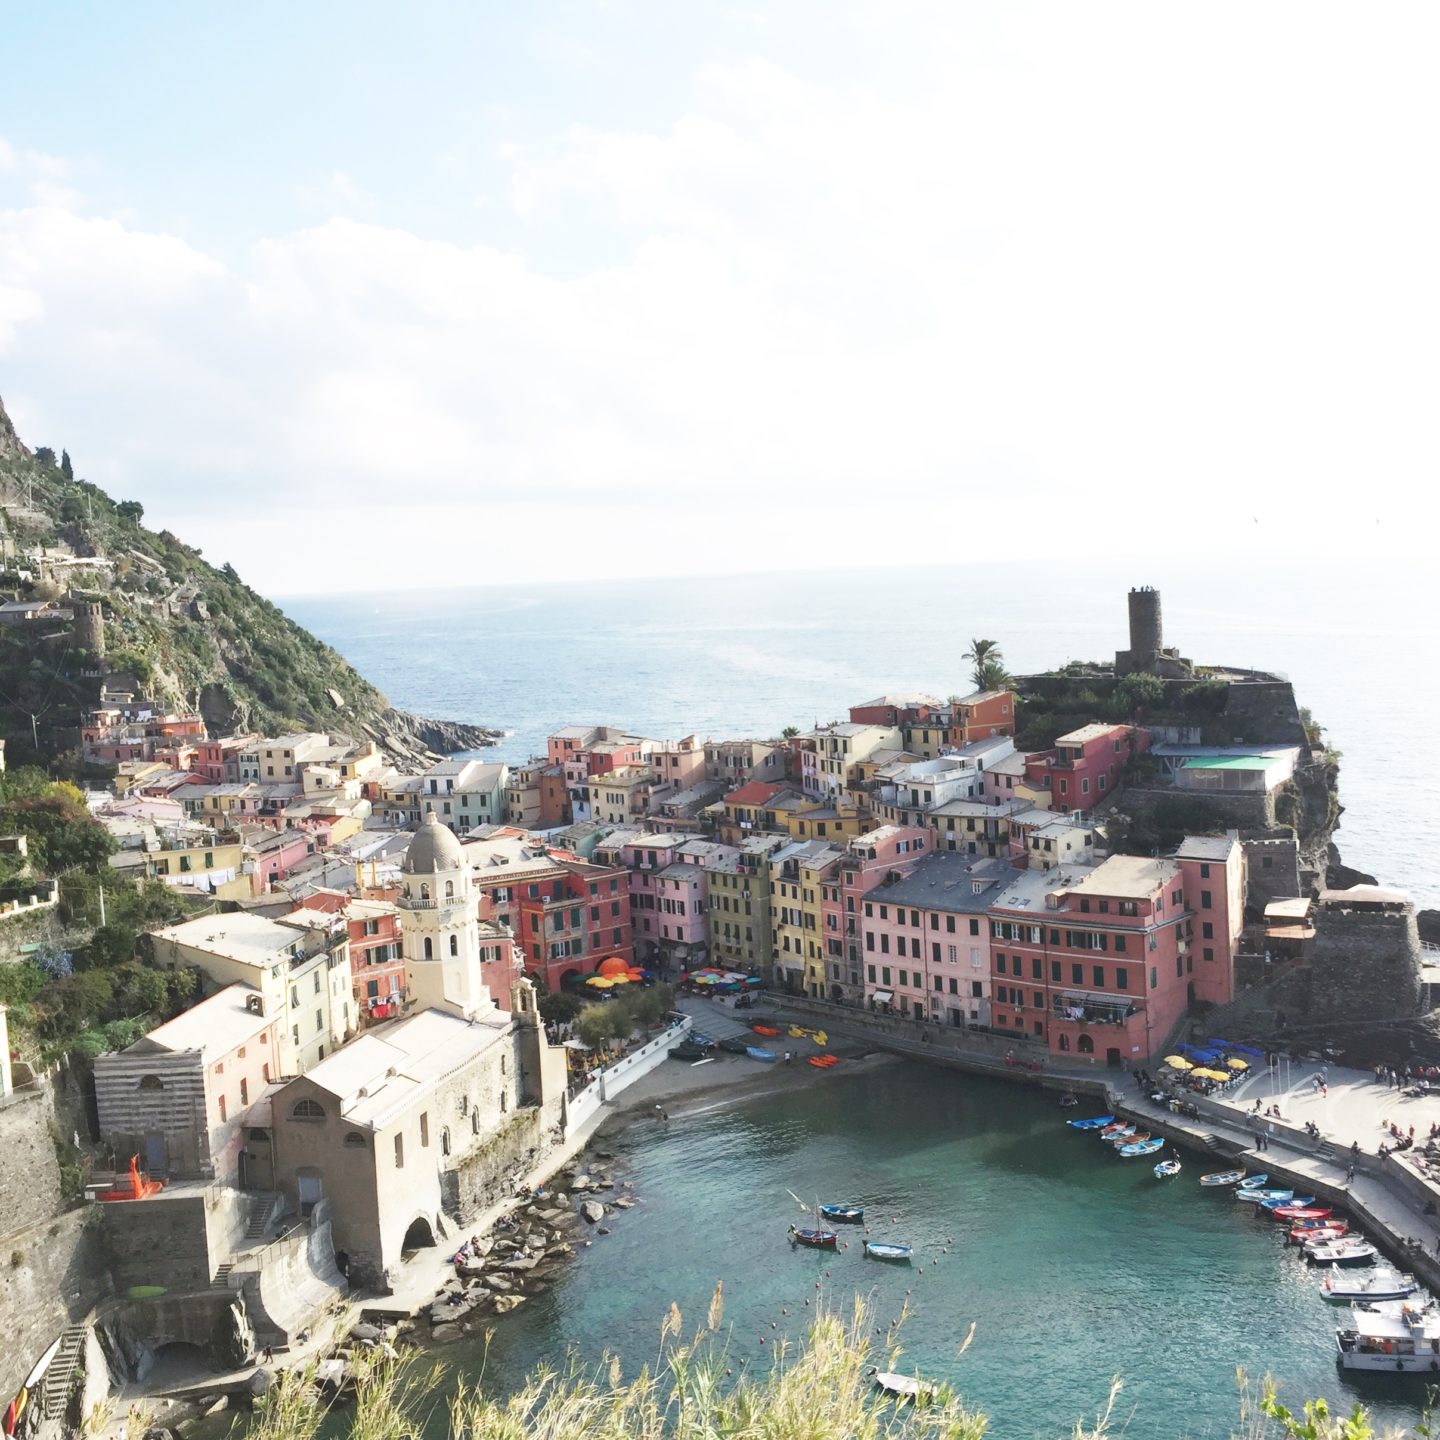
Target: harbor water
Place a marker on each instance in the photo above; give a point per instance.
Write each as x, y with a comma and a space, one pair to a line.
1073, 1265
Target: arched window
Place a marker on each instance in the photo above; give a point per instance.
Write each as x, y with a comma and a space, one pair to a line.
474, 1122
307, 1110
464, 1105
504, 1102
355, 1141
454, 945
445, 1140
449, 889
1085, 1045
424, 892
150, 1082
429, 948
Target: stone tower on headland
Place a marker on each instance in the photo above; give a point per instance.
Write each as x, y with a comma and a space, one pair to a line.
1147, 654
90, 628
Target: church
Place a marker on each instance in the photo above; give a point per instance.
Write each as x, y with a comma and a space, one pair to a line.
409, 1130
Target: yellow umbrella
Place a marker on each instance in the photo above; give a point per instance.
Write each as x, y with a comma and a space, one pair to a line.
619, 979
1238, 1064
1210, 1074
600, 982
1178, 1062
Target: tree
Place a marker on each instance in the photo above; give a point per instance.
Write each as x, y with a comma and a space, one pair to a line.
987, 665
130, 510
66, 468
560, 1009
45, 455
789, 732
1137, 692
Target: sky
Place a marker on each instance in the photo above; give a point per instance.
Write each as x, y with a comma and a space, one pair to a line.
359, 296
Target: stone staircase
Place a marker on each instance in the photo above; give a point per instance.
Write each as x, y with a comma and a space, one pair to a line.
222, 1275
1325, 1151
55, 1387
262, 1209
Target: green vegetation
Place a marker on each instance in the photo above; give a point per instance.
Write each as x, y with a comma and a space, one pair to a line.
613, 1022
1159, 828
94, 996
819, 1389
987, 665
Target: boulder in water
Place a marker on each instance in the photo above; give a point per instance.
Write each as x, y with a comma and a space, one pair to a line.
592, 1210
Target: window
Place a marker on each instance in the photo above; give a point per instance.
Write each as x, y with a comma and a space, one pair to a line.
424, 1127
1054, 972
870, 973
1000, 962
454, 944
307, 1110
430, 944
1077, 974
354, 1140
1204, 872
445, 1140
150, 1082
1122, 978
1205, 900
399, 1152
316, 978
222, 1107
1209, 952
884, 974
1207, 930
244, 1092
1154, 977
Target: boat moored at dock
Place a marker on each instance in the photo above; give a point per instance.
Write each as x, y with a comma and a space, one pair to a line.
1382, 1282
1409, 1341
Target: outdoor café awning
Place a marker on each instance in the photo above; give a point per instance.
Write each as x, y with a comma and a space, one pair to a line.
884, 997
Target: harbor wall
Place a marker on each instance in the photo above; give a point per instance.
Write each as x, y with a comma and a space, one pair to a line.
585, 1105
30, 1174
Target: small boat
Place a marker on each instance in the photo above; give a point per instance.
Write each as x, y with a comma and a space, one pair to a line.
733, 1046
1253, 1182
1302, 1212
885, 1250
768, 1030
1291, 1203
1310, 1234
1166, 1168
1134, 1137
906, 1387
1143, 1147
1222, 1177
755, 1054
846, 1214
815, 1239
1257, 1197
1347, 1251
1116, 1130
1096, 1122
1383, 1282
1409, 1341
687, 1050
1069, 1101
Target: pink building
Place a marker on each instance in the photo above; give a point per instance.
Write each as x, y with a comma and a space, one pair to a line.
668, 893
868, 860
275, 854
1084, 767
678, 764
377, 964
926, 939
1102, 965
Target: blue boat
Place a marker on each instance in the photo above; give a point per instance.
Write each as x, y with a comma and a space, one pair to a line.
1253, 1182
1298, 1202
1257, 1197
755, 1054
846, 1214
884, 1250
1096, 1123
1143, 1147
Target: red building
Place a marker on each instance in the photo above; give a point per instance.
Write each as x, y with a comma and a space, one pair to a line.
892, 710
1084, 767
982, 716
1102, 966
570, 917
377, 963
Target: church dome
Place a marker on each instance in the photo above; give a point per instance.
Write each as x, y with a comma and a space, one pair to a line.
433, 849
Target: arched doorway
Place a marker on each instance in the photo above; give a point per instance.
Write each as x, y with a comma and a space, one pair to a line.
417, 1237
1085, 1045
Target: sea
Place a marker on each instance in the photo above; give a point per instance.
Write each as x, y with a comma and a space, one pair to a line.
729, 656
1073, 1266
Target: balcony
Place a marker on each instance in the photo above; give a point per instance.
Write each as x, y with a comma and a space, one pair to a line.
1088, 1008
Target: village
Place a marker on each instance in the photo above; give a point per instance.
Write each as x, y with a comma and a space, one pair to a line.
393, 962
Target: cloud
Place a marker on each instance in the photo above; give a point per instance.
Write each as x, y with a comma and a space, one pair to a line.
1057, 289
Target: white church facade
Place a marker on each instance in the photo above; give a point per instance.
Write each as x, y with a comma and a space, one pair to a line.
414, 1126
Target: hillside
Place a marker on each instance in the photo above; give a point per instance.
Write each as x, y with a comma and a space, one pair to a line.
193, 636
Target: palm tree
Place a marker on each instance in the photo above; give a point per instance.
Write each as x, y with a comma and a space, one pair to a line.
789, 732
987, 665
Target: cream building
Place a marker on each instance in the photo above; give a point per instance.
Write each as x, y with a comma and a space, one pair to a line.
301, 966
420, 1123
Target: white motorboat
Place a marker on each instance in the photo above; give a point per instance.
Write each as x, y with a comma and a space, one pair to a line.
906, 1387
1409, 1341
1381, 1282
1341, 1252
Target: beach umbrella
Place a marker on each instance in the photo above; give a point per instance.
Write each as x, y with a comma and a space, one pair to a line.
615, 965
1178, 1062
1248, 1050
1210, 1074
1238, 1064
600, 982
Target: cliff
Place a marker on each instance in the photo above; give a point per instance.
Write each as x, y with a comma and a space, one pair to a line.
191, 635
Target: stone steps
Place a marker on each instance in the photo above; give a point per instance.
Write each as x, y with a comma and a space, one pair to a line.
55, 1387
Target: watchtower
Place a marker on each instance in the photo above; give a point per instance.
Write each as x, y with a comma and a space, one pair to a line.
90, 628
1146, 630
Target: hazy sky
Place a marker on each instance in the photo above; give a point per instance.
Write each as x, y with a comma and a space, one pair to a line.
363, 294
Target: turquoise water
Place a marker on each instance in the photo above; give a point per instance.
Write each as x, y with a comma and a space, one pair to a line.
1073, 1264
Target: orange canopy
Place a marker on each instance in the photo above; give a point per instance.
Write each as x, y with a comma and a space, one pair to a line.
614, 966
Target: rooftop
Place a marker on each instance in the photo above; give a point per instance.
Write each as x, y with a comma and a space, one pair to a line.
214, 1026
1214, 848
757, 792
1126, 877
1086, 733
384, 1071
245, 938
947, 881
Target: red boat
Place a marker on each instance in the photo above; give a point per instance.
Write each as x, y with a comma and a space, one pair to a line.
815, 1239
1305, 1234
1302, 1212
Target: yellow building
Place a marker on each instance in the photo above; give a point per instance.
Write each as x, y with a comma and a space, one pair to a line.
799, 873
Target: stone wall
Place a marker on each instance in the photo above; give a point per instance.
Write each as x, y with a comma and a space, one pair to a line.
29, 1170
483, 1176
51, 1274
1272, 864
177, 1238
1231, 811
1364, 965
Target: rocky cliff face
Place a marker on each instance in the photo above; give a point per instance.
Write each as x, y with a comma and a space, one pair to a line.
190, 634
